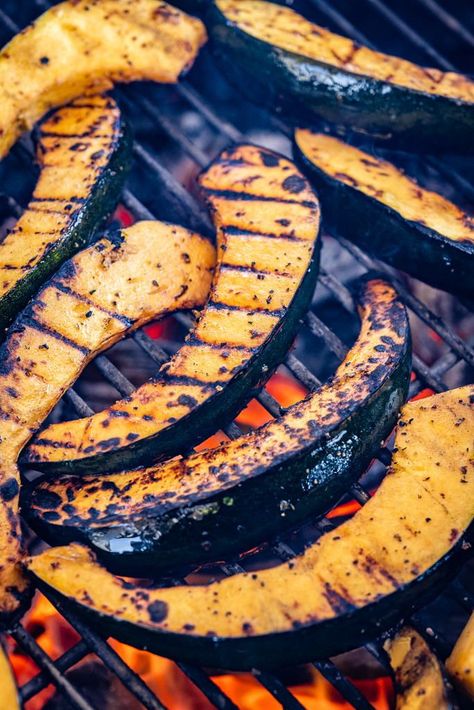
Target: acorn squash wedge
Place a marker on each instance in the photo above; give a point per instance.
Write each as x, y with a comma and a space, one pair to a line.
420, 679
83, 151
460, 664
229, 499
81, 47
278, 57
94, 299
8, 688
345, 589
414, 229
267, 220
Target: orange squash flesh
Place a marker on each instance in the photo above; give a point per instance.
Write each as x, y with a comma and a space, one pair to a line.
460, 664
83, 47
98, 296
75, 148
386, 183
283, 27
357, 578
188, 509
8, 688
267, 221
420, 682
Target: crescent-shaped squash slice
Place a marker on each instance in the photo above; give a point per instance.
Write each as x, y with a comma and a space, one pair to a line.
217, 502
267, 220
276, 56
82, 47
345, 589
398, 221
95, 298
420, 679
83, 151
460, 664
8, 687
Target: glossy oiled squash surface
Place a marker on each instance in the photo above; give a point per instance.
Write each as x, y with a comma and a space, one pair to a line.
386, 183
460, 664
402, 535
187, 509
420, 682
283, 27
82, 155
267, 221
84, 46
100, 294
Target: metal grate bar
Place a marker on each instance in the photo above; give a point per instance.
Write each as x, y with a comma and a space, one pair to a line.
415, 38
227, 129
431, 319
42, 679
171, 186
106, 653
449, 20
279, 691
207, 686
41, 658
113, 375
349, 691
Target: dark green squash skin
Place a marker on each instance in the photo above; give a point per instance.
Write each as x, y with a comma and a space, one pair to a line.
350, 629
237, 518
87, 219
386, 234
220, 407
306, 90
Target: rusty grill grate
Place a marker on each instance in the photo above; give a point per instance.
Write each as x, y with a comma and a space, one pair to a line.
157, 105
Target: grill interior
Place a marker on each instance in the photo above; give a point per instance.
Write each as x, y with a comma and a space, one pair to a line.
178, 131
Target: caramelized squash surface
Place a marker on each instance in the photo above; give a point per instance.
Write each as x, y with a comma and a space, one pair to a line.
283, 27
386, 183
267, 221
102, 293
420, 682
83, 155
460, 664
358, 578
409, 227
82, 47
189, 509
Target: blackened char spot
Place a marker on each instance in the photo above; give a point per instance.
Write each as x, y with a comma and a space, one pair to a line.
294, 183
47, 499
186, 400
158, 611
269, 159
338, 603
9, 489
109, 443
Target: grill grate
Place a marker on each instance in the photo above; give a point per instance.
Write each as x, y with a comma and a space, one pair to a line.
185, 208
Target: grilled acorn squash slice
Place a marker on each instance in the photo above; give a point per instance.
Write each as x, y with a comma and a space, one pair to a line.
233, 497
83, 151
420, 680
460, 664
9, 693
346, 588
413, 229
267, 220
82, 47
276, 56
103, 292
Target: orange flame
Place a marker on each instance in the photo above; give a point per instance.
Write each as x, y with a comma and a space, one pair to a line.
170, 684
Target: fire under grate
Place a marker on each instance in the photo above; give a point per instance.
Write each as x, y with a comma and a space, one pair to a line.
192, 144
